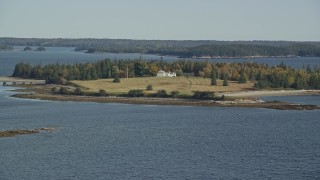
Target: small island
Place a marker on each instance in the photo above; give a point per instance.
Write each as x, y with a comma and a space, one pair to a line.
11, 133
40, 49
27, 48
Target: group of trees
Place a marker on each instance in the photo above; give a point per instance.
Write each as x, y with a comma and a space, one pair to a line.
28, 48
264, 76
173, 47
204, 95
241, 50
214, 51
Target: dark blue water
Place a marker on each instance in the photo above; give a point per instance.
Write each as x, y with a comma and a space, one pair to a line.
117, 141
66, 55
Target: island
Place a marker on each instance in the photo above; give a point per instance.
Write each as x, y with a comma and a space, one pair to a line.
182, 82
27, 48
40, 49
235, 97
11, 133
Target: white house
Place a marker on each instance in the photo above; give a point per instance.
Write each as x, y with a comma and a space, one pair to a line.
166, 74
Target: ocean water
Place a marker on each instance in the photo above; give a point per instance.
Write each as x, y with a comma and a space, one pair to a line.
119, 141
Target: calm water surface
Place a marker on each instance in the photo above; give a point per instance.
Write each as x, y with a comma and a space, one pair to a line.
118, 141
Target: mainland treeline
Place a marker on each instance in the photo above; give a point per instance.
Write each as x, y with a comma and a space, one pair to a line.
262, 75
186, 48
242, 50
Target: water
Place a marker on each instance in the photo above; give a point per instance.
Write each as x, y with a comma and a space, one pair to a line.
67, 55
118, 141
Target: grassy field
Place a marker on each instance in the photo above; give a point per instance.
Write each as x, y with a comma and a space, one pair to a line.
182, 84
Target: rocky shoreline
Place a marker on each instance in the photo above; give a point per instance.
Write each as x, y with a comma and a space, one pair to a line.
172, 101
245, 99
12, 133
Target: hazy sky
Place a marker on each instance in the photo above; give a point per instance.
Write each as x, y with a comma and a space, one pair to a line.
162, 19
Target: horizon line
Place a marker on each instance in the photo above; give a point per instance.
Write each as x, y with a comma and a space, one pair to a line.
158, 39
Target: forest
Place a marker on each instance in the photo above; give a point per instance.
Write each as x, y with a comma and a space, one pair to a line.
242, 50
181, 48
280, 76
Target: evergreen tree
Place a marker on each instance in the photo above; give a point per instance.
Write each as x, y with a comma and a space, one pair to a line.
78, 91
213, 78
116, 80
225, 81
243, 78
149, 87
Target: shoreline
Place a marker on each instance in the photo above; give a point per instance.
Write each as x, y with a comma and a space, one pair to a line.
171, 101
12, 133
248, 99
259, 93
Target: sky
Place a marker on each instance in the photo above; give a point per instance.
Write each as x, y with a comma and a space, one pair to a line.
293, 20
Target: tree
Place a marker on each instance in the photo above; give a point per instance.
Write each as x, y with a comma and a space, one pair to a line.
78, 91
213, 78
140, 68
136, 93
63, 90
102, 92
243, 78
149, 87
161, 93
52, 79
203, 95
27, 48
116, 80
179, 72
174, 93
225, 81
153, 69
115, 71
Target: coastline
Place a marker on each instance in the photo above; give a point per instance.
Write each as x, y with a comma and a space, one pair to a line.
248, 99
170, 101
259, 93
12, 133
